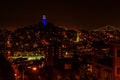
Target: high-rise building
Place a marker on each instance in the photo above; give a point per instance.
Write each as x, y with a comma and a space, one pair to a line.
108, 67
116, 61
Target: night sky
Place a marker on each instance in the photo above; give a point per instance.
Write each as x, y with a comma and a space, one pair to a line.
81, 13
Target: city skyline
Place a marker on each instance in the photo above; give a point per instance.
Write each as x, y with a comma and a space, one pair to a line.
82, 14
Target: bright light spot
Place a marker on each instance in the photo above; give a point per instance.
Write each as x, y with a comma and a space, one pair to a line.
34, 68
66, 53
15, 74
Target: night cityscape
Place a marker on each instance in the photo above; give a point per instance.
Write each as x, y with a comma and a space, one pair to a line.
59, 40
47, 52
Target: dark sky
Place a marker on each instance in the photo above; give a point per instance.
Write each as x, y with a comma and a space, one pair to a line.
91, 13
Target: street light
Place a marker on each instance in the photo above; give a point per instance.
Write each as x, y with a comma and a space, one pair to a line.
34, 68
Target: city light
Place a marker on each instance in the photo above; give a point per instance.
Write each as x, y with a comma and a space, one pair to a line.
34, 68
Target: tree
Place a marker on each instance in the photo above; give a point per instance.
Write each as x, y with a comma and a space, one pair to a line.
6, 71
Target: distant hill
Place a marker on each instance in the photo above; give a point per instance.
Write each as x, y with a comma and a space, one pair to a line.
107, 28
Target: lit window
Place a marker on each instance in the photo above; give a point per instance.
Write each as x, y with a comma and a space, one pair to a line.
68, 54
67, 66
89, 67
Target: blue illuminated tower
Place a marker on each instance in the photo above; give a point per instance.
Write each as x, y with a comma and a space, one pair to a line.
44, 21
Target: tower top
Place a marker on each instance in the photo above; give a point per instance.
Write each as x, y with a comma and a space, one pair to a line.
44, 17
44, 21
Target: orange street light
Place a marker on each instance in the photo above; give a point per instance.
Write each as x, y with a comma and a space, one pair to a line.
34, 68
